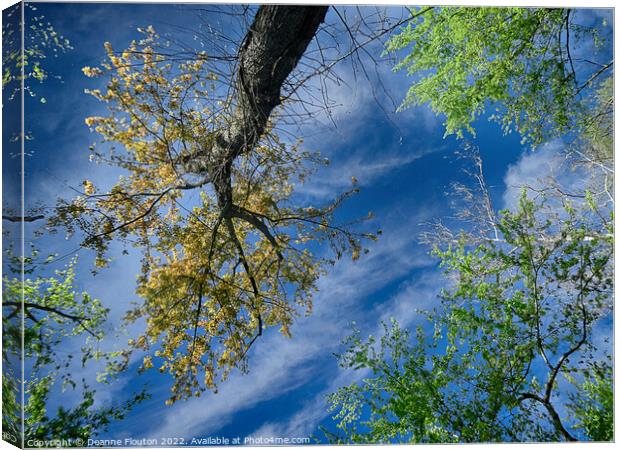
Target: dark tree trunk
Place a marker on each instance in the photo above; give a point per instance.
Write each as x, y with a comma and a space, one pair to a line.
272, 47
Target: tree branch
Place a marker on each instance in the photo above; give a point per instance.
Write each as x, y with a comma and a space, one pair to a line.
77, 319
23, 218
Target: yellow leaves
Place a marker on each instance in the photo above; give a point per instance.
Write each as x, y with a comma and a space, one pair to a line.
285, 330
225, 357
142, 342
95, 93
166, 172
141, 150
116, 61
147, 362
124, 73
101, 262
197, 287
92, 72
89, 188
160, 80
208, 379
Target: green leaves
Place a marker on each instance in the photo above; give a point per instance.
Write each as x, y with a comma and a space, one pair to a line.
41, 42
398, 393
514, 63
594, 407
519, 315
54, 311
75, 425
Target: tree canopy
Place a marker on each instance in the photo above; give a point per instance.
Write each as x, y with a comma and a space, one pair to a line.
527, 66
242, 258
54, 311
515, 344
519, 351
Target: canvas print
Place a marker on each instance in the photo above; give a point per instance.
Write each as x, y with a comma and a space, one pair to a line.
242, 224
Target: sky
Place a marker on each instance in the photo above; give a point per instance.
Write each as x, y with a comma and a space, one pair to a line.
404, 167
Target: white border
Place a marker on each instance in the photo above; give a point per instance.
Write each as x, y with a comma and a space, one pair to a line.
548, 3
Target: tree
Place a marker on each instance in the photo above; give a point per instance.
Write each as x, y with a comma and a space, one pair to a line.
515, 354
218, 272
517, 62
53, 311
514, 342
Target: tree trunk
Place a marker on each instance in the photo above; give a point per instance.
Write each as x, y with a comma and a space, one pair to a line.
272, 47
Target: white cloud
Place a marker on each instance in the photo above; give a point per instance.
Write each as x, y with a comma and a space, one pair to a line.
366, 169
539, 169
305, 421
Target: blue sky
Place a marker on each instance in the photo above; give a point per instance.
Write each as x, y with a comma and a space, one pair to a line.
404, 167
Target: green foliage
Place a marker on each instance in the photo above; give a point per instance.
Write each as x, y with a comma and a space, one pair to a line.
519, 315
11, 409
41, 41
594, 407
400, 400
515, 60
597, 126
53, 311
75, 424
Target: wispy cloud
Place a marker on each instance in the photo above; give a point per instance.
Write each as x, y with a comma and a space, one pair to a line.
416, 295
540, 169
366, 169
